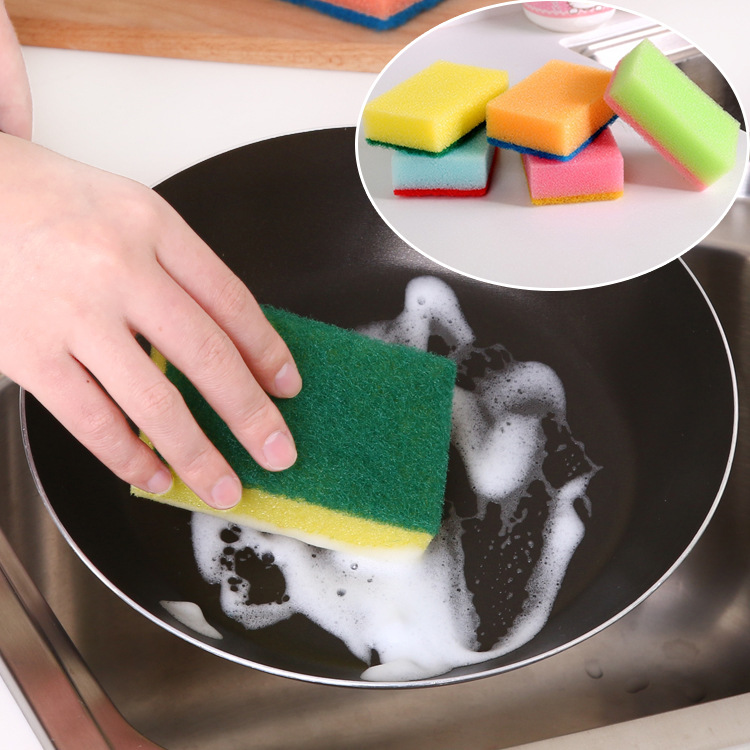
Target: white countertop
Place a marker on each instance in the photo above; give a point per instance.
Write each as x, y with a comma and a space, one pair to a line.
148, 118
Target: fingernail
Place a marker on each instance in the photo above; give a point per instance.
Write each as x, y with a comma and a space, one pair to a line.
288, 381
279, 451
226, 493
160, 482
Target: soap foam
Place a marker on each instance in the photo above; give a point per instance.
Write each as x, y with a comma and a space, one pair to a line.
420, 616
191, 615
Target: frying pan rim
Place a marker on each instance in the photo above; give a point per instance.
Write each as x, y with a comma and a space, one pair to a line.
439, 680
428, 682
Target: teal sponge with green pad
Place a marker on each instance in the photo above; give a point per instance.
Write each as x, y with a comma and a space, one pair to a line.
372, 427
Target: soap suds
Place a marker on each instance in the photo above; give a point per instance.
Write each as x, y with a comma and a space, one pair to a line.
427, 616
191, 615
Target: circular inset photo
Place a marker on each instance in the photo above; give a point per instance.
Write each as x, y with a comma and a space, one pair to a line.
552, 145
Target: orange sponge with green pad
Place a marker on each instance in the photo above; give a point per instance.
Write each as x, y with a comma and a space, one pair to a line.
372, 427
673, 114
432, 109
554, 113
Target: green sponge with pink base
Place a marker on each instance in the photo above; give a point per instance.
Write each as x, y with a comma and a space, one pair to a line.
673, 114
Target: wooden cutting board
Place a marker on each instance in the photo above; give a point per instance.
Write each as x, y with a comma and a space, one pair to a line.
263, 32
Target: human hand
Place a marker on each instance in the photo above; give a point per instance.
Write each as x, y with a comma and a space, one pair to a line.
15, 94
88, 260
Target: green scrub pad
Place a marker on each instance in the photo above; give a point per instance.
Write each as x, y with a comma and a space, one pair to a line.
673, 114
372, 427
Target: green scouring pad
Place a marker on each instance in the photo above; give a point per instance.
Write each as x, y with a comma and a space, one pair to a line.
372, 427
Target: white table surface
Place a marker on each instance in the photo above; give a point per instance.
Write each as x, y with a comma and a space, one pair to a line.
148, 118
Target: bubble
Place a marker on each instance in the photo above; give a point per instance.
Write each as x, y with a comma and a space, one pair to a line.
594, 669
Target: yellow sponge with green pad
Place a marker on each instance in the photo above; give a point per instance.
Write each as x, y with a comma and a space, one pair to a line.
673, 114
432, 109
372, 427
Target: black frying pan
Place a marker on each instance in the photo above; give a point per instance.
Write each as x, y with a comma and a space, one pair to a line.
649, 383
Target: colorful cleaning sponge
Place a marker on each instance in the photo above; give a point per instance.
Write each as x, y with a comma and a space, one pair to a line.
372, 426
461, 171
554, 112
380, 15
434, 108
594, 174
673, 114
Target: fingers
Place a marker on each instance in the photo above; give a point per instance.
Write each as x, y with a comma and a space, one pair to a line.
83, 408
204, 276
207, 356
69, 392
182, 331
157, 407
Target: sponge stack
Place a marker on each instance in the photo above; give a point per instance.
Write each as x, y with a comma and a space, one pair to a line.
560, 115
673, 114
372, 426
434, 121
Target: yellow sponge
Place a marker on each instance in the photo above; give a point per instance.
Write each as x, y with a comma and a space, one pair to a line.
434, 108
554, 113
372, 425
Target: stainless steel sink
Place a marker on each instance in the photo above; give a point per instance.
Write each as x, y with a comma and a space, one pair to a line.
90, 672
94, 673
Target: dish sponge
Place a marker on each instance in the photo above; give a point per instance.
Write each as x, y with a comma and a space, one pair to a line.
380, 15
434, 108
555, 112
461, 171
673, 114
372, 426
595, 174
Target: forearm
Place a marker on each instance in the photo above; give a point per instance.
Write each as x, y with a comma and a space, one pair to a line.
15, 94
